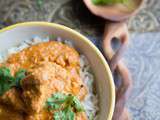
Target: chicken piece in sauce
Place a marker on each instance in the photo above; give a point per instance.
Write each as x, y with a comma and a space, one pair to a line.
41, 82
52, 51
43, 115
6, 113
81, 116
44, 80
13, 99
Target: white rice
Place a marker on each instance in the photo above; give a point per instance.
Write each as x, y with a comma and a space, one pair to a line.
91, 101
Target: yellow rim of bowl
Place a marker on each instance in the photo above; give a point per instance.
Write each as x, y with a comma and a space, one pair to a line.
112, 86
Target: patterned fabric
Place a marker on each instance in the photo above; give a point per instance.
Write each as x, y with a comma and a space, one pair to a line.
148, 18
143, 59
73, 14
142, 56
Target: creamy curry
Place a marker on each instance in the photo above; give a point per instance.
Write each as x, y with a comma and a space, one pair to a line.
51, 67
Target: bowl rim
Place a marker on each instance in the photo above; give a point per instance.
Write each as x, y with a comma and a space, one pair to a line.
114, 13
87, 41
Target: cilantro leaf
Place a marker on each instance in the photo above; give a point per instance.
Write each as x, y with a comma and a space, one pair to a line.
7, 81
91, 116
64, 106
59, 115
77, 104
69, 114
55, 101
19, 76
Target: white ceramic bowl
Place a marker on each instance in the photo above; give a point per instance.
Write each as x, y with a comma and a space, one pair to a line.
15, 34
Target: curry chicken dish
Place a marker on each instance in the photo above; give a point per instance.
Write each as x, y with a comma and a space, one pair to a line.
42, 82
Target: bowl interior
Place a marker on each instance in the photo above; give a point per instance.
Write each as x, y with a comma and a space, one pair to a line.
117, 12
13, 35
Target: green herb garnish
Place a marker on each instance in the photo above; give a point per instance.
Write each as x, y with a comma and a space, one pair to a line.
64, 106
7, 80
109, 2
19, 76
91, 116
